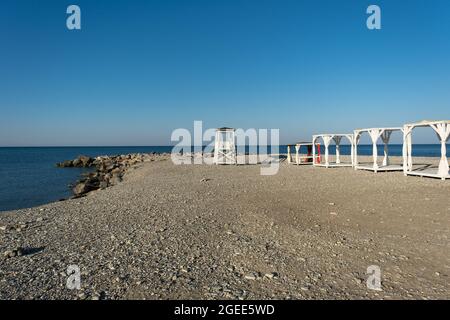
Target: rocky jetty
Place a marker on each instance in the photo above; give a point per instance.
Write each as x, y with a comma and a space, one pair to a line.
109, 170
79, 162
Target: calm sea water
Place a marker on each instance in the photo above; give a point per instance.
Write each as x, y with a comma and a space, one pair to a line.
29, 177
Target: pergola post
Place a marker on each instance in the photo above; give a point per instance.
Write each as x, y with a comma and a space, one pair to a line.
297, 150
289, 159
443, 133
405, 152
385, 136
352, 148
326, 143
409, 146
314, 149
357, 137
374, 135
337, 141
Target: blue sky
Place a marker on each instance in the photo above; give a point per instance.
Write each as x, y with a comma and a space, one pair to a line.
139, 69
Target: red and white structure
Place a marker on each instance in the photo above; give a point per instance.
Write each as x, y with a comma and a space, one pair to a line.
442, 130
327, 140
376, 134
305, 158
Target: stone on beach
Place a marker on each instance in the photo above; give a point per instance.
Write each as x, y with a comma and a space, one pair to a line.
16, 252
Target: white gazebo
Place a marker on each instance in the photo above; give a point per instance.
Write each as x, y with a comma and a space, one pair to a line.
327, 139
442, 130
305, 158
225, 146
375, 134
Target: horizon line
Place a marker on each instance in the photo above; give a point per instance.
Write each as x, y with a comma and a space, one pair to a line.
150, 146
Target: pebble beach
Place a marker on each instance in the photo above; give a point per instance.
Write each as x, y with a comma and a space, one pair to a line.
168, 231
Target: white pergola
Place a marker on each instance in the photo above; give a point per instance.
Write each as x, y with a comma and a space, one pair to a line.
225, 146
327, 139
302, 159
442, 130
375, 134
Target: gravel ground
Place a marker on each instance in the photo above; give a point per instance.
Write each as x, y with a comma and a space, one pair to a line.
226, 232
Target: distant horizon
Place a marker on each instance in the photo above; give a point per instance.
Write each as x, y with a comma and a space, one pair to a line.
150, 146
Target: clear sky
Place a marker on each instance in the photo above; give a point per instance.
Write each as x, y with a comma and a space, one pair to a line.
139, 69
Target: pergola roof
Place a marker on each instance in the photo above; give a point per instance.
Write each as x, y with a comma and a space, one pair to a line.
387, 128
333, 134
427, 122
303, 142
225, 129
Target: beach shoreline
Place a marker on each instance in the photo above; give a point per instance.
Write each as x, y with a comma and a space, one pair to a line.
226, 232
30, 177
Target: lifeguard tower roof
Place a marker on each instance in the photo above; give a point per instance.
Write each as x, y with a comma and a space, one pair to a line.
303, 143
225, 129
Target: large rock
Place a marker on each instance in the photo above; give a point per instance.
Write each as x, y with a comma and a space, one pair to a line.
116, 171
65, 164
103, 184
115, 179
80, 162
85, 161
84, 187
77, 163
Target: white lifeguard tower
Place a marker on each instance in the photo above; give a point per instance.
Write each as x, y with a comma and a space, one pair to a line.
442, 129
327, 139
375, 134
225, 146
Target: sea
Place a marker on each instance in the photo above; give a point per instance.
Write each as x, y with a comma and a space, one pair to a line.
29, 177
